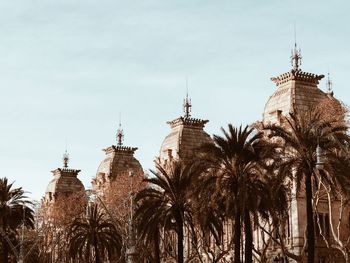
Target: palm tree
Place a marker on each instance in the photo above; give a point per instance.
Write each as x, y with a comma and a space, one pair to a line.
165, 204
239, 163
301, 134
209, 216
14, 210
93, 233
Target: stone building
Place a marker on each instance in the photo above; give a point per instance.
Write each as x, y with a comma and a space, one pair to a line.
64, 183
118, 177
297, 91
114, 170
64, 190
186, 135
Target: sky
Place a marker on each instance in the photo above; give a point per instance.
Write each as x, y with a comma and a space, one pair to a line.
69, 67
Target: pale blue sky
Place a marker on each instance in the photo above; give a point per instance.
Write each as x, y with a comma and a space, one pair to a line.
68, 67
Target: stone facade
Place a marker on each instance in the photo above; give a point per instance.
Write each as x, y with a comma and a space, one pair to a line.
298, 91
186, 135
117, 164
65, 182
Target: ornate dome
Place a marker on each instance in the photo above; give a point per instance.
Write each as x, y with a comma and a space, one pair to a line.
117, 165
296, 91
187, 134
119, 161
65, 182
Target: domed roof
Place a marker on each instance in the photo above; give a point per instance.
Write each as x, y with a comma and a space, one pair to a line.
117, 164
296, 90
65, 181
186, 136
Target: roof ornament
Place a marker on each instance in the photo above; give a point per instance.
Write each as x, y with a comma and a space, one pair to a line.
65, 159
329, 85
187, 103
296, 53
120, 133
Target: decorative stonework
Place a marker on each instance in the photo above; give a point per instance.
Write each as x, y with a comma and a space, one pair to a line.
297, 75
120, 149
118, 162
188, 122
296, 90
187, 134
65, 182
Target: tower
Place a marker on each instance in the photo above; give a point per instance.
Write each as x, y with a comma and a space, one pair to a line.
118, 177
64, 183
298, 91
186, 135
116, 165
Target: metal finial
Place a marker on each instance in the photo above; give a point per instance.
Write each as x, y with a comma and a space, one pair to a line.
296, 53
65, 159
329, 84
296, 57
187, 103
120, 133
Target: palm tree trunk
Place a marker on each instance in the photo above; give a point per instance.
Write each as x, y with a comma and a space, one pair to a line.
4, 250
97, 256
180, 238
156, 247
310, 221
248, 252
237, 237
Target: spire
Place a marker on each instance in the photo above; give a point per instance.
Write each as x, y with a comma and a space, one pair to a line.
187, 103
120, 133
329, 85
65, 159
296, 53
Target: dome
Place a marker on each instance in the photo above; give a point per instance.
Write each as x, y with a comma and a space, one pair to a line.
118, 162
65, 182
296, 90
186, 136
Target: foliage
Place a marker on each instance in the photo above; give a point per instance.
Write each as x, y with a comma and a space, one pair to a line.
165, 204
242, 164
15, 209
300, 135
54, 219
94, 237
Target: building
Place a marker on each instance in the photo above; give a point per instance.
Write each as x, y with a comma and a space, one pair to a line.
64, 190
64, 183
118, 177
115, 170
120, 173
186, 135
297, 91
